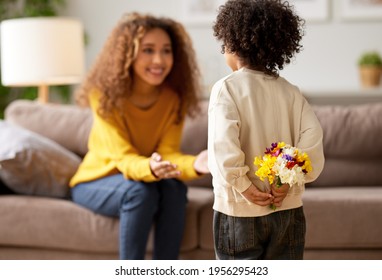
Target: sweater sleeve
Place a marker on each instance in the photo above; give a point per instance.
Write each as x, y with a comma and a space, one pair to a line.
310, 141
169, 149
226, 160
111, 142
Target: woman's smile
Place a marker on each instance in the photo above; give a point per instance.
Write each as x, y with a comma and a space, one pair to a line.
155, 58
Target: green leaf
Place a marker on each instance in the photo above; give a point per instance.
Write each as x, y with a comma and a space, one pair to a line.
370, 58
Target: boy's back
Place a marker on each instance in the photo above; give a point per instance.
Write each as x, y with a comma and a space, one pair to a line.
249, 111
255, 110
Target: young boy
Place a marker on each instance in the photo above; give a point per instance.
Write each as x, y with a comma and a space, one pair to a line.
250, 109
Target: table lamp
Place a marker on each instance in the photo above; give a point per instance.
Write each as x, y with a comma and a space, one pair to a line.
41, 51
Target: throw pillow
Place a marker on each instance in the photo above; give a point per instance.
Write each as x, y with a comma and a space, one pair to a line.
34, 165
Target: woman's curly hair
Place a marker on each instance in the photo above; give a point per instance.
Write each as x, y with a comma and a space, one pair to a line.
264, 34
112, 72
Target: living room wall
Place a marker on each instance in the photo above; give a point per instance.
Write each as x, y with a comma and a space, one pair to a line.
328, 61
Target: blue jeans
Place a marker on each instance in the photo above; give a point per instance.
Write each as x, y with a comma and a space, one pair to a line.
139, 205
278, 236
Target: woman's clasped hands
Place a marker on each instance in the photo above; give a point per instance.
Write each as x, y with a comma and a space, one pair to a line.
164, 169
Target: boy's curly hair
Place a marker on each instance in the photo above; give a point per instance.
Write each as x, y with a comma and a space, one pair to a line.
112, 72
264, 34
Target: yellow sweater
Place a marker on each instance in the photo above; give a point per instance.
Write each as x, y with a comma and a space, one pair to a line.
124, 142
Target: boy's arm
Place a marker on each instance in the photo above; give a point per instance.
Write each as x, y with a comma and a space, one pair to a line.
310, 141
226, 160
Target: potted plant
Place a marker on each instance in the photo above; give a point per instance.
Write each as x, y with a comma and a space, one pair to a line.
370, 67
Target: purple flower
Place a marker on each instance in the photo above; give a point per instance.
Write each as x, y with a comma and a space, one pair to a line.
288, 157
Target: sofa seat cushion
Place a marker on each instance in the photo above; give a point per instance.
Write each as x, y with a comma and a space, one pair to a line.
343, 217
61, 224
206, 226
56, 224
198, 199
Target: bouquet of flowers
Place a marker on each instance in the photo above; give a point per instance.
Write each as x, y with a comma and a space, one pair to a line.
283, 164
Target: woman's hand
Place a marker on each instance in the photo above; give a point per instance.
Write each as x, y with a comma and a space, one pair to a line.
201, 163
163, 169
254, 195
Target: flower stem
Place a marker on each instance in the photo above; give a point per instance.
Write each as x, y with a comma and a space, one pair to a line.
278, 185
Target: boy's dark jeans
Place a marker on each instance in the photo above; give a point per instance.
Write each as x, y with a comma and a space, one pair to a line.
278, 236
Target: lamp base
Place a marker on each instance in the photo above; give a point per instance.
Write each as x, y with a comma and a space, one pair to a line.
43, 93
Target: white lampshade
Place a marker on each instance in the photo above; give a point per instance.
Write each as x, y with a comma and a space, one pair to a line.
41, 51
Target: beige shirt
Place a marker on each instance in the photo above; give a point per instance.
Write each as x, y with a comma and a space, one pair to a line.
248, 111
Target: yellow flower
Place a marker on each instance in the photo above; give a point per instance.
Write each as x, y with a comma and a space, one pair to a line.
307, 163
280, 145
264, 166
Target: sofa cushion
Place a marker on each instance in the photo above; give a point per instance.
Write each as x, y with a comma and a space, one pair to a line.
206, 225
343, 217
78, 228
194, 140
32, 164
352, 145
194, 137
351, 132
44, 222
68, 125
349, 172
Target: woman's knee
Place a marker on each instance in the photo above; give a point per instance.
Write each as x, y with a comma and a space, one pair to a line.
172, 189
140, 194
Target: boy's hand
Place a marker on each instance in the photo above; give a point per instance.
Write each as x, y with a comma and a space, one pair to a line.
254, 195
279, 194
162, 169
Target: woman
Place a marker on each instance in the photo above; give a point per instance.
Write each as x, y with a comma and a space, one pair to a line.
140, 89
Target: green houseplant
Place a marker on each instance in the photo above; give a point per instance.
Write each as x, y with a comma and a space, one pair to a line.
28, 8
370, 68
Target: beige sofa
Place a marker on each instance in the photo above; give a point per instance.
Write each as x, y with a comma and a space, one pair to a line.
343, 207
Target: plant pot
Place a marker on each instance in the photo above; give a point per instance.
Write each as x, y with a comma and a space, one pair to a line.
370, 76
